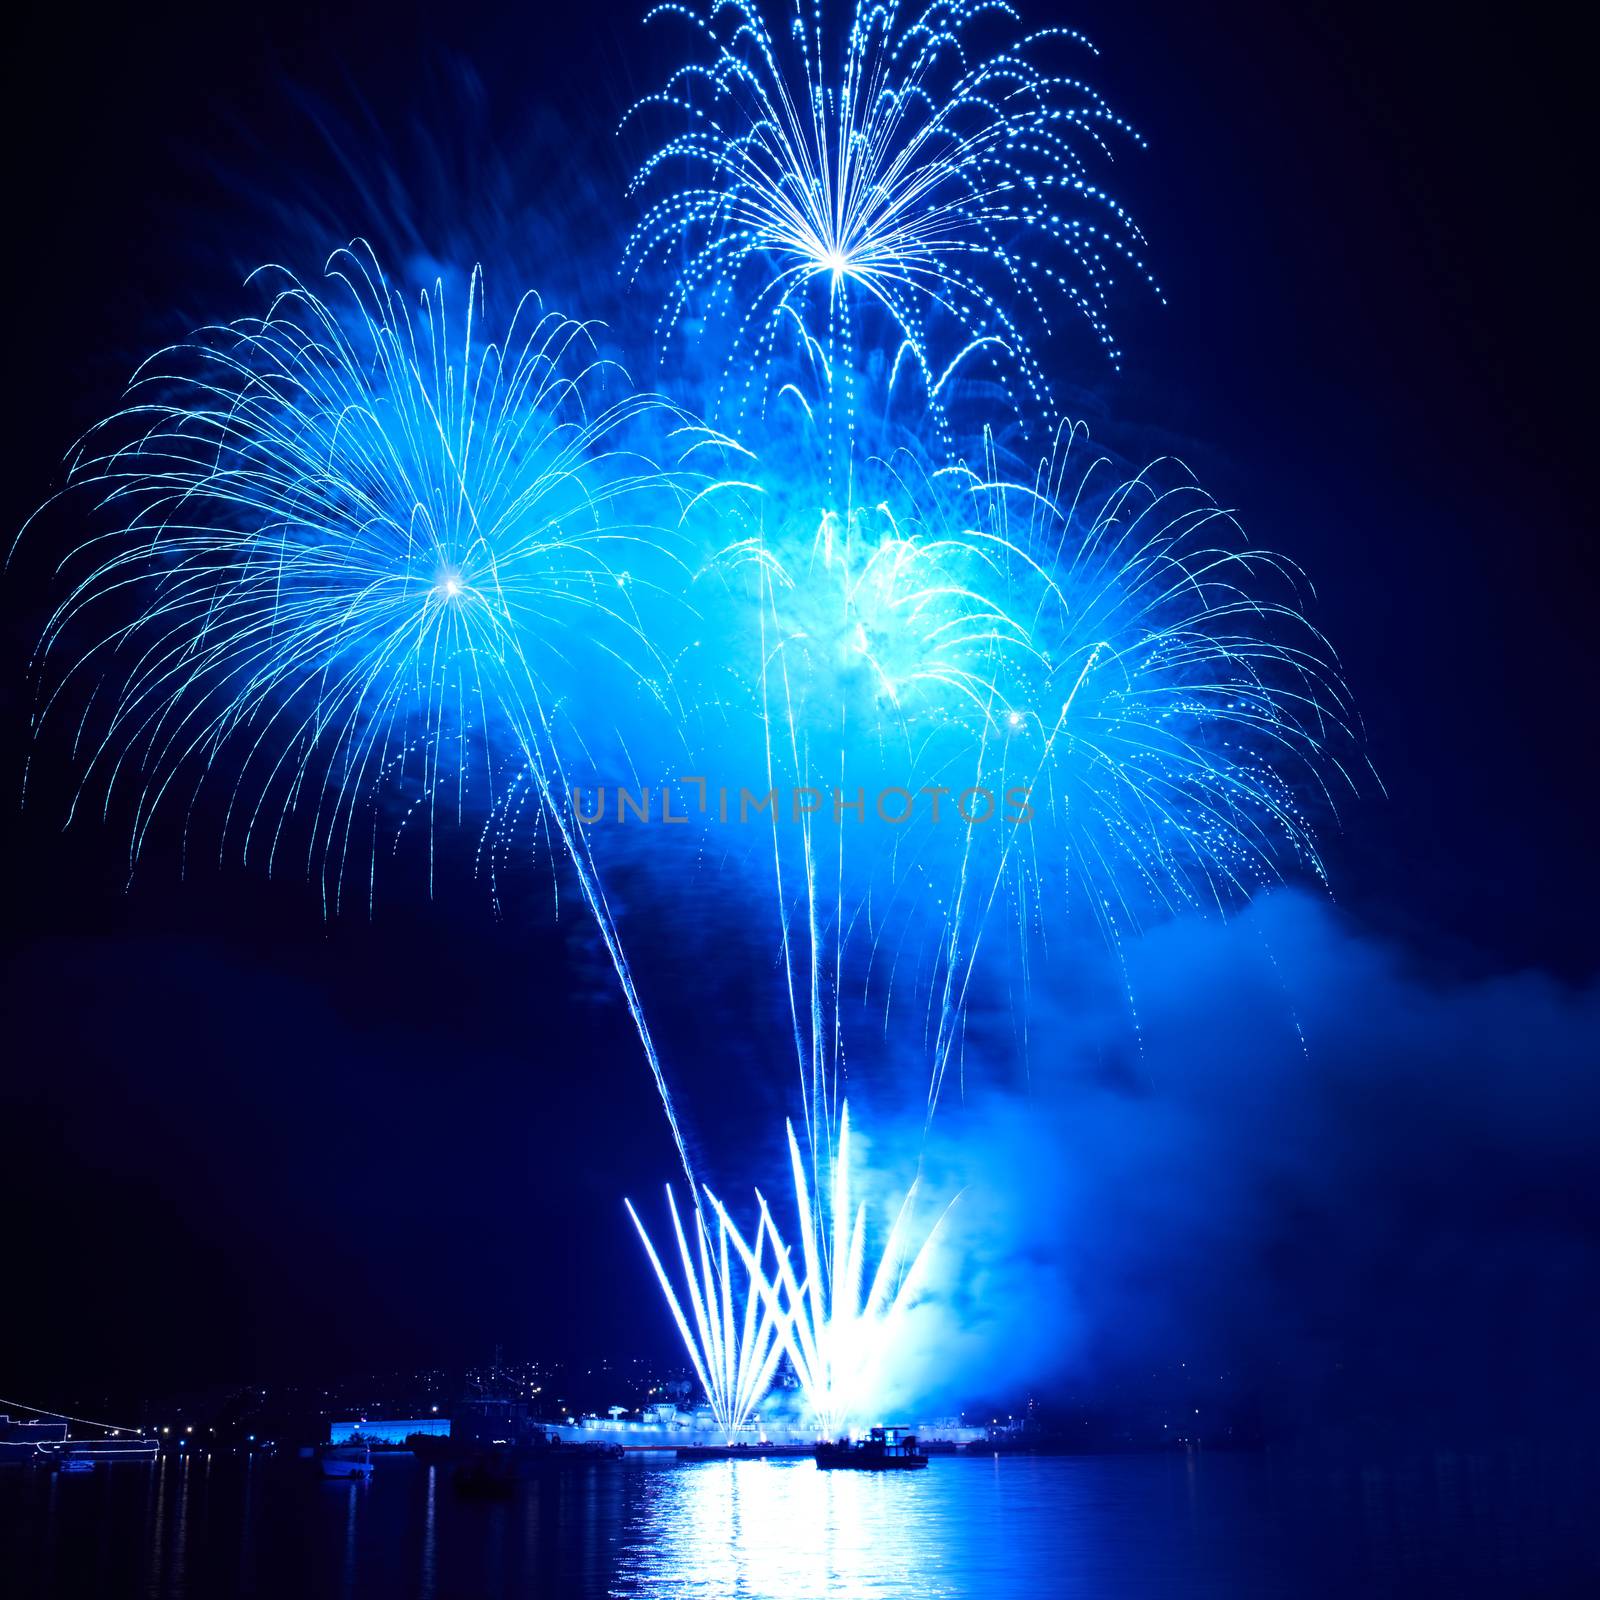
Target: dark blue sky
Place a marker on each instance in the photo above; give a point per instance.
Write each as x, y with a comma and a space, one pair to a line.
1377, 346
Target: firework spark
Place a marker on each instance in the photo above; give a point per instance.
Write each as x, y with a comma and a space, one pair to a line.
1111, 652
906, 168
841, 1346
873, 635
358, 563
734, 1354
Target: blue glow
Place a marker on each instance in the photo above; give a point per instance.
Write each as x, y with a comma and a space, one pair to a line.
1112, 657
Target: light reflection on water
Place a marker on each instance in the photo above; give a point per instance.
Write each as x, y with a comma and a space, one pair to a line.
1110, 1528
762, 1529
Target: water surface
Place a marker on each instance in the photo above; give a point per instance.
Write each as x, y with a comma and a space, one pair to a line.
1141, 1527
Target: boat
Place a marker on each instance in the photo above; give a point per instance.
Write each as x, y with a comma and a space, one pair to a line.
739, 1452
42, 1441
117, 1451
886, 1449
24, 1439
352, 1459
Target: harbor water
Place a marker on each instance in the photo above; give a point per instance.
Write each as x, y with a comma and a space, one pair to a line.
1101, 1527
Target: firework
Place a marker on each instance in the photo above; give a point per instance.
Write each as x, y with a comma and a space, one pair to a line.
736, 1338
359, 572
740, 1323
925, 166
874, 638
840, 1345
1119, 700
359, 568
1180, 725
1113, 652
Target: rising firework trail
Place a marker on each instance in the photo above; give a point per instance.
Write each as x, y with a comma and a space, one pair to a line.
924, 165
357, 565
882, 627
734, 1334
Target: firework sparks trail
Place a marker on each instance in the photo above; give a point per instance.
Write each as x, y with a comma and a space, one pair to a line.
883, 636
1112, 650
361, 559
734, 1352
904, 169
840, 1345
739, 1325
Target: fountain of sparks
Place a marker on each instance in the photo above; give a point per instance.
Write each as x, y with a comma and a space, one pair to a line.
734, 1352
840, 1346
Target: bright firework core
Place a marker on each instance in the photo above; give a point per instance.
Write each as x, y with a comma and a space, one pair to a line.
841, 1348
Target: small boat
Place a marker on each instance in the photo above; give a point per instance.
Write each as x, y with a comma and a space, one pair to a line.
888, 1449
72, 1463
352, 1459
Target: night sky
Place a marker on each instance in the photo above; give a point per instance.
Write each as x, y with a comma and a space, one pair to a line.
225, 1120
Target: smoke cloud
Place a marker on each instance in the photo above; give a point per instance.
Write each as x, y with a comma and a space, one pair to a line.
1340, 1183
